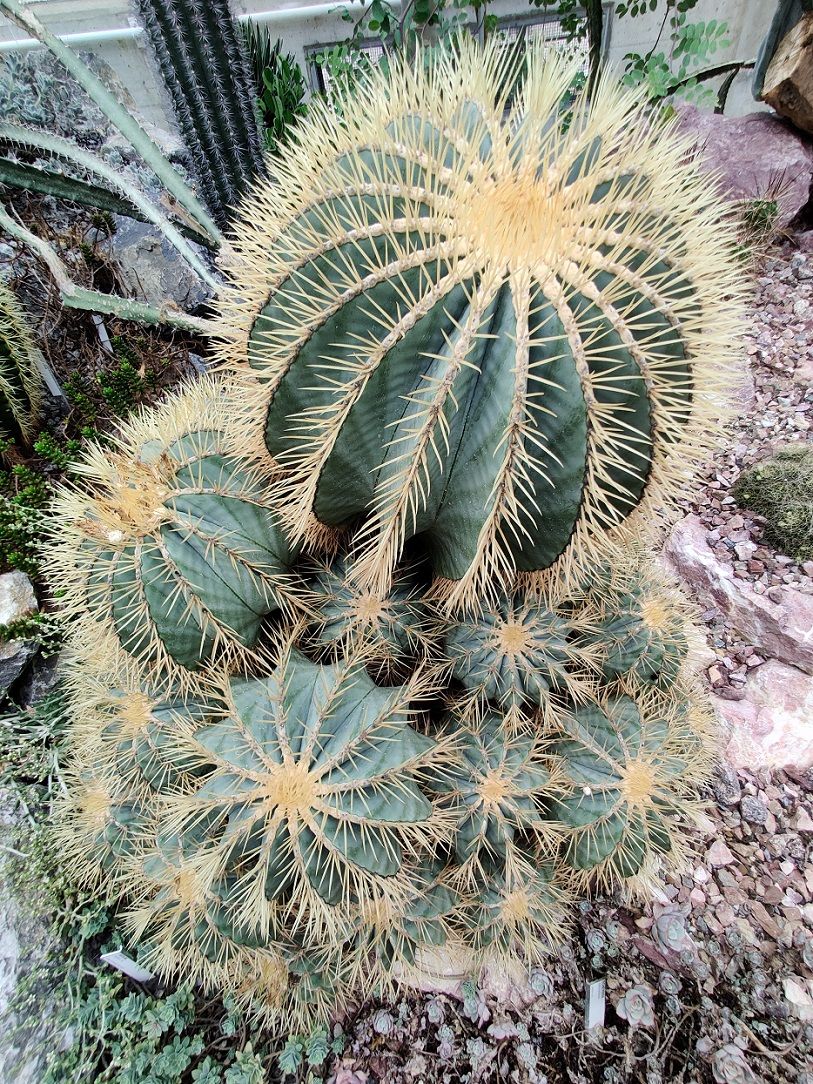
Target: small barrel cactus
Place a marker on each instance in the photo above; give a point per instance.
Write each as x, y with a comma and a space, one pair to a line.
481, 309
171, 542
515, 654
394, 626
633, 765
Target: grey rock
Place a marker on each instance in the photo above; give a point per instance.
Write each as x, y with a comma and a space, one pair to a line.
152, 269
726, 786
753, 809
17, 600
779, 624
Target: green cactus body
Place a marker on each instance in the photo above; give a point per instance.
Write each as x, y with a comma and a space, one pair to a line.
102, 823
171, 542
21, 385
394, 931
632, 767
312, 789
483, 329
394, 625
513, 654
635, 631
520, 915
138, 734
496, 786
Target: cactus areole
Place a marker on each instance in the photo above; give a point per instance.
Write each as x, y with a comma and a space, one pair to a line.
478, 308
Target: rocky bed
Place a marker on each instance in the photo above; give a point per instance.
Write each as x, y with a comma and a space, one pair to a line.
713, 981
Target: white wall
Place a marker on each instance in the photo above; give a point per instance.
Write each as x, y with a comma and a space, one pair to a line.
302, 23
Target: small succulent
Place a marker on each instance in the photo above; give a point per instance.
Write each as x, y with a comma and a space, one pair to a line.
728, 1066
670, 930
637, 1006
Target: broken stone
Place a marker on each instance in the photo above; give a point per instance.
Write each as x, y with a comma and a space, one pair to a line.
788, 84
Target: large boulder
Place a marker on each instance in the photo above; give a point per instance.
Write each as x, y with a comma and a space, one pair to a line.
757, 156
771, 726
152, 269
788, 84
17, 600
780, 627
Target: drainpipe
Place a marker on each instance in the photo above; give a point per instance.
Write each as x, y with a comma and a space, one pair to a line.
87, 39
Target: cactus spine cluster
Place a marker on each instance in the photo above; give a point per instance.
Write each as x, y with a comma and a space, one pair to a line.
364, 669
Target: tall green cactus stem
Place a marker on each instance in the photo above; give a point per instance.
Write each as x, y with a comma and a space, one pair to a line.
21, 384
634, 766
170, 542
482, 309
202, 61
515, 655
314, 792
394, 626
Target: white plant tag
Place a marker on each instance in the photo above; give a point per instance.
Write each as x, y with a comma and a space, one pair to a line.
594, 1004
123, 962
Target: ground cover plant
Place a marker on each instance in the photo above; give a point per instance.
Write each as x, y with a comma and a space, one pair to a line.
365, 661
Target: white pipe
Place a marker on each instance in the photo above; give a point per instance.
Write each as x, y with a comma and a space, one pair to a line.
129, 33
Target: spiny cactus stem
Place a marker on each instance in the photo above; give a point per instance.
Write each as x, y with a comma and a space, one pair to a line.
78, 297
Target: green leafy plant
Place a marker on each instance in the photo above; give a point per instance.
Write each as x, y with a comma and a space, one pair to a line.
25, 495
279, 84
470, 345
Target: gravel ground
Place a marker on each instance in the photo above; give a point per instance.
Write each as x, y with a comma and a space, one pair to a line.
775, 408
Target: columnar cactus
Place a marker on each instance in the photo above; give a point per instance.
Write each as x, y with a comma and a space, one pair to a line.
200, 55
21, 384
479, 321
482, 311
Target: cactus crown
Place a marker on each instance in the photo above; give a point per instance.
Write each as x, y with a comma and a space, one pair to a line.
478, 310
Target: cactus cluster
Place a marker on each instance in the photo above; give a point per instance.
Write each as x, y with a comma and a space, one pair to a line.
366, 669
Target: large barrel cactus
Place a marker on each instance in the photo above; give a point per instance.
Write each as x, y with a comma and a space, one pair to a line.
483, 310
363, 674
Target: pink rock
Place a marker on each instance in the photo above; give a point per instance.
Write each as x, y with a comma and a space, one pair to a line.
753, 156
718, 854
770, 727
780, 626
803, 373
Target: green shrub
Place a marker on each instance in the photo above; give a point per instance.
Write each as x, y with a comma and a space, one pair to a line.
780, 489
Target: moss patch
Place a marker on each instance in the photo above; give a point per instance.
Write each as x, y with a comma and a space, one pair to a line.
780, 489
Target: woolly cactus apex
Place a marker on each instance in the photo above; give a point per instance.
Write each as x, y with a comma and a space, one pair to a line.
313, 798
394, 625
169, 542
21, 383
514, 655
496, 787
634, 766
483, 309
